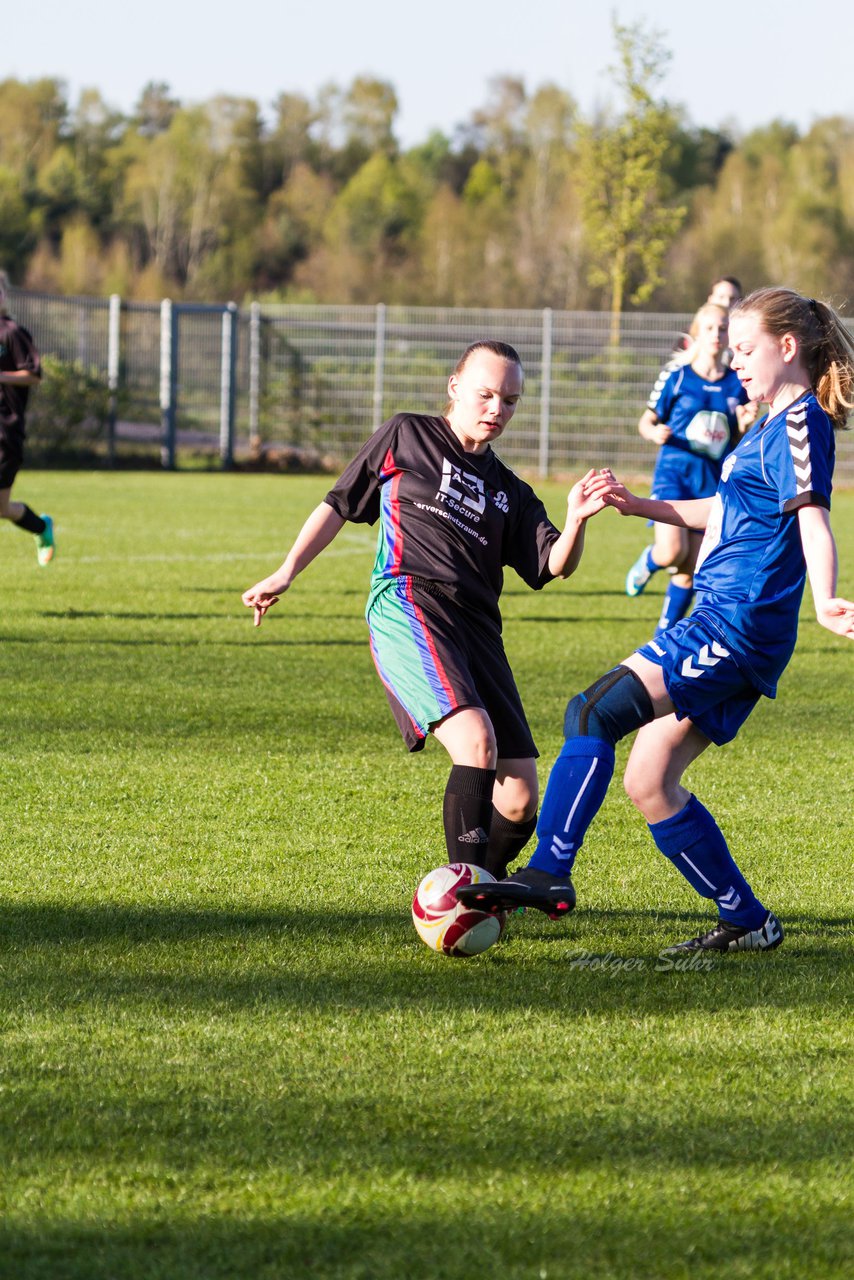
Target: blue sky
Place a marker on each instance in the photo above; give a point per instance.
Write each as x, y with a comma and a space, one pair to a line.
732, 62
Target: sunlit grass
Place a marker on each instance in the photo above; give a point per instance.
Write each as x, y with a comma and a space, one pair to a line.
225, 1052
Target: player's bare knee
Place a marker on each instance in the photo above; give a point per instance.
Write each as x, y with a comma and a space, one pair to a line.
483, 748
642, 790
519, 806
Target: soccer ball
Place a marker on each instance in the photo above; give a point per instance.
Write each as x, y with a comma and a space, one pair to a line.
447, 925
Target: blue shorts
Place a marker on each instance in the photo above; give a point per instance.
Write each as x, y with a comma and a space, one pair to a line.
680, 474
705, 683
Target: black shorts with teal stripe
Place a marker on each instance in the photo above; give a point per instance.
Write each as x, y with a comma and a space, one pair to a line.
435, 658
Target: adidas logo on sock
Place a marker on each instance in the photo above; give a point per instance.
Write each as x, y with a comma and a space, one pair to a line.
477, 835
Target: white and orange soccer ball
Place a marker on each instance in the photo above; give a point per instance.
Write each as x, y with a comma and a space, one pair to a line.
447, 925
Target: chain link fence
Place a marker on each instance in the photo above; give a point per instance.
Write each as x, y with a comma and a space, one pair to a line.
305, 385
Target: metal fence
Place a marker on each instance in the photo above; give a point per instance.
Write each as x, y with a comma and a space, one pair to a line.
314, 381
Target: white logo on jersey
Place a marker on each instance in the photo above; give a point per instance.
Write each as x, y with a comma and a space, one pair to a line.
708, 432
799, 443
462, 486
500, 500
726, 469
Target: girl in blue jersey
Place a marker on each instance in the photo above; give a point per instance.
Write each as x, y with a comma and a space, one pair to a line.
694, 414
451, 516
766, 529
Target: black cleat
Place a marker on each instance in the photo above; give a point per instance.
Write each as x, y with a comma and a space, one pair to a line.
528, 887
733, 937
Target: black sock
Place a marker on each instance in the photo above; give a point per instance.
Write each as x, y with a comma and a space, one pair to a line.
467, 813
507, 839
30, 521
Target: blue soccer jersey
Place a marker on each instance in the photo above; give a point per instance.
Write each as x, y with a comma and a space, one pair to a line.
751, 569
701, 413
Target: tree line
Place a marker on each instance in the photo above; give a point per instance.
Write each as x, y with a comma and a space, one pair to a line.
529, 203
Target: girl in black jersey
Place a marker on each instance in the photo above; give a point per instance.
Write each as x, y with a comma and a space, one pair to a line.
451, 515
20, 369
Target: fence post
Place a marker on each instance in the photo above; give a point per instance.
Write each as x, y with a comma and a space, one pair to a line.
545, 392
168, 382
83, 335
379, 365
228, 369
255, 378
113, 363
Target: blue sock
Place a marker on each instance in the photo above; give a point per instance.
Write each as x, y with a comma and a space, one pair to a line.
648, 561
677, 602
695, 844
576, 788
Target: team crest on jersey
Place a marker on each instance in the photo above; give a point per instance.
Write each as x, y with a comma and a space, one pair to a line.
726, 469
500, 500
462, 487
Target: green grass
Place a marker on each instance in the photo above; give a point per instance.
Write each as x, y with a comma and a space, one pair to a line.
224, 1052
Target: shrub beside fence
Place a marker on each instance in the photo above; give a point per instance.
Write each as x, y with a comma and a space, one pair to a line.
305, 385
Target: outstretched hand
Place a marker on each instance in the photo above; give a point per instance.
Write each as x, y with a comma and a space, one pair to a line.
262, 597
838, 616
588, 496
615, 494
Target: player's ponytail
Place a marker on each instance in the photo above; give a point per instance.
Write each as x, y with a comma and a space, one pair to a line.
826, 345
834, 379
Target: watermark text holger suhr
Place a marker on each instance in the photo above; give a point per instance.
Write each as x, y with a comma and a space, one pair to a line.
690, 962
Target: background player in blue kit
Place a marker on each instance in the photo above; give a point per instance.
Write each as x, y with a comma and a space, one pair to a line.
451, 516
693, 413
767, 528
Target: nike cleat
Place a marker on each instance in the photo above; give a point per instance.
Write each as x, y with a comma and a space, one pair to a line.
733, 937
45, 547
529, 887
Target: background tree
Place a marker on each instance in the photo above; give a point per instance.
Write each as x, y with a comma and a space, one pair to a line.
154, 109
527, 203
628, 215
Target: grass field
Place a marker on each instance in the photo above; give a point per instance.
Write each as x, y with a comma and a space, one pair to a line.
224, 1052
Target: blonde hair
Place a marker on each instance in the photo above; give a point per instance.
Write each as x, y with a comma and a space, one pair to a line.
826, 346
690, 351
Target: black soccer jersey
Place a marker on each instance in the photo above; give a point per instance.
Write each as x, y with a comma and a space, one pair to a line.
449, 517
17, 352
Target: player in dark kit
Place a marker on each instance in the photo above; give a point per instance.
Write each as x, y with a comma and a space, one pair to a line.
767, 528
20, 369
451, 516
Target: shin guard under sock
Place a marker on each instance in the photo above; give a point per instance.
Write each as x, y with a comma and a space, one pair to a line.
467, 813
575, 791
695, 844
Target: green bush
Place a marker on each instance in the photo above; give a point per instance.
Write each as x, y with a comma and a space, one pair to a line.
68, 411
